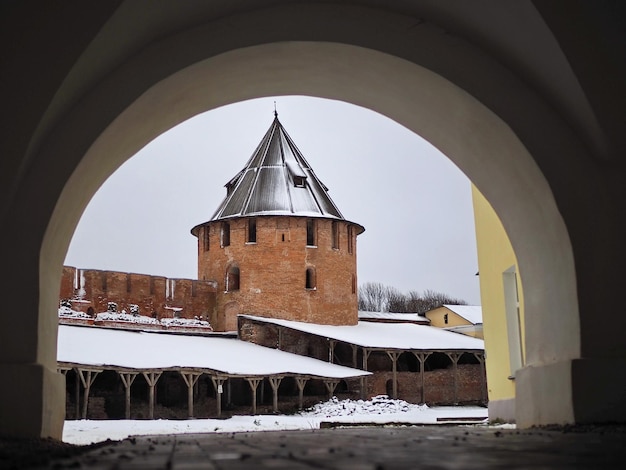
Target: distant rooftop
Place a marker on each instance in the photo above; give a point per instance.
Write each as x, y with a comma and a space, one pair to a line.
472, 313
276, 180
393, 317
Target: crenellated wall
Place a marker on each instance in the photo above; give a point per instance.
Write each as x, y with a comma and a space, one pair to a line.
155, 296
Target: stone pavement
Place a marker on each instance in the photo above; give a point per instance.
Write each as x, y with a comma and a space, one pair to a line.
371, 448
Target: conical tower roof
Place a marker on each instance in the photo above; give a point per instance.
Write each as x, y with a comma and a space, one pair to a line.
277, 180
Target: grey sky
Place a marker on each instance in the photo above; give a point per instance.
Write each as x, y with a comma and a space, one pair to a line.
415, 204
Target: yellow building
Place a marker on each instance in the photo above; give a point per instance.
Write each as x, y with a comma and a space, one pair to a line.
502, 307
465, 319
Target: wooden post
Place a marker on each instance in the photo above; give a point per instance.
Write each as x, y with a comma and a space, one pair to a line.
301, 382
127, 379
421, 357
87, 381
151, 379
254, 383
331, 385
229, 400
218, 383
190, 379
393, 355
354, 354
331, 350
454, 357
275, 383
366, 355
76, 395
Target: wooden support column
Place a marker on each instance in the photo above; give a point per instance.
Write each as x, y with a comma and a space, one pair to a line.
229, 388
63, 370
275, 383
254, 384
190, 379
87, 376
354, 354
152, 379
366, 355
76, 395
454, 357
127, 379
394, 355
421, 357
331, 385
331, 350
483, 380
218, 383
301, 382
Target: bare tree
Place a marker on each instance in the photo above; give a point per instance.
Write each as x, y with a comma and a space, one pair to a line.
376, 297
373, 297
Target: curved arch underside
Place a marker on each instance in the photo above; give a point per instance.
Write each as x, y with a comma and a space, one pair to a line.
510, 122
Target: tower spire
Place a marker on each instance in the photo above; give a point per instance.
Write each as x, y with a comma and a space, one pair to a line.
275, 112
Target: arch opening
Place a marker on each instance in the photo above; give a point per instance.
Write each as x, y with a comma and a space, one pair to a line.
478, 141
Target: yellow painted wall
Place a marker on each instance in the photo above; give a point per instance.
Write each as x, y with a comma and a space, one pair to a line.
495, 256
436, 317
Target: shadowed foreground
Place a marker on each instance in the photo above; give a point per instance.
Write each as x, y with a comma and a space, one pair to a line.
433, 447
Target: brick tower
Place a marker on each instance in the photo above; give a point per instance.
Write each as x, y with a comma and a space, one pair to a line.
277, 245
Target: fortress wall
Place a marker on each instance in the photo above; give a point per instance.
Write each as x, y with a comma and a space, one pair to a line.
154, 295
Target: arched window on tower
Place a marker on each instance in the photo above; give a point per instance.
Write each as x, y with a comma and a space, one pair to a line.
310, 278
232, 278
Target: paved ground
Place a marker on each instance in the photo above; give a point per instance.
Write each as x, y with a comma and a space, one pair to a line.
425, 447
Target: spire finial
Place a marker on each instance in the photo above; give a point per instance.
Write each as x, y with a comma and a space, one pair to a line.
275, 112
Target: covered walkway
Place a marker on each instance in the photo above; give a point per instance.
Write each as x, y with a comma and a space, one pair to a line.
91, 350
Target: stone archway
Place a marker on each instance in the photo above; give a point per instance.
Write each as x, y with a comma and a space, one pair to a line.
480, 143
466, 102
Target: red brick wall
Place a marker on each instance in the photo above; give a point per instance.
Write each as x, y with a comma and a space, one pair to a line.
93, 288
439, 385
273, 271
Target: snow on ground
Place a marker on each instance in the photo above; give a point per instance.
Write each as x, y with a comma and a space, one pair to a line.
379, 410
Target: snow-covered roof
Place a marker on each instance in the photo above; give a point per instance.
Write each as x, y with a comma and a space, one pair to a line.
276, 180
389, 316
407, 336
472, 313
100, 347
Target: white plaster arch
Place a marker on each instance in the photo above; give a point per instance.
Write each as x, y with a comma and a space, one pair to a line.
465, 130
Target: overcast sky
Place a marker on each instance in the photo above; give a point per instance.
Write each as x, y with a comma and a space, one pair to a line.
414, 203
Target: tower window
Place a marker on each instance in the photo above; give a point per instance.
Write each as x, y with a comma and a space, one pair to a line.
206, 238
299, 181
310, 278
251, 230
232, 279
225, 234
353, 284
350, 239
310, 232
335, 233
